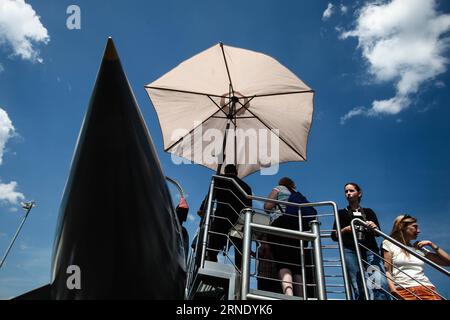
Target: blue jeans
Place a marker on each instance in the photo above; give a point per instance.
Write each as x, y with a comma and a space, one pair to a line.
374, 275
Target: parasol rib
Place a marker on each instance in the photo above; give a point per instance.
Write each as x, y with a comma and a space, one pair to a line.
221, 109
281, 138
179, 140
245, 117
226, 66
243, 97
184, 91
278, 94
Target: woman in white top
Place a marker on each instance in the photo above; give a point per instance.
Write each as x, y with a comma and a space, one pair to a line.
406, 278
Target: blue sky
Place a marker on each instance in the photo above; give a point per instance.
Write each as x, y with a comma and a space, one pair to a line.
380, 114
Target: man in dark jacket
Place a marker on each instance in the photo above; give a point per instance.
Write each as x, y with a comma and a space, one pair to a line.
230, 202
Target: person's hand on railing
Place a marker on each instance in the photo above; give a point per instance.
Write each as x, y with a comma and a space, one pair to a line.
200, 213
371, 225
420, 244
439, 256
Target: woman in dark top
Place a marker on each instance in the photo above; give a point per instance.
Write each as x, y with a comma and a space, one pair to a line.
286, 251
376, 281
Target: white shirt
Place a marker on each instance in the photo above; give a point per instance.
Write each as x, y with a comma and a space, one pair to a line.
408, 264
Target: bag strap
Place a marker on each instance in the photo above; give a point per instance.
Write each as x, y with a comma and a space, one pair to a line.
280, 208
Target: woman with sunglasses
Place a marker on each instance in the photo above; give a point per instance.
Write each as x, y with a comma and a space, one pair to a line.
377, 286
406, 278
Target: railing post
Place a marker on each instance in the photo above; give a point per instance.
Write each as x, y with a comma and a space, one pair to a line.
318, 262
302, 256
341, 252
207, 220
245, 280
360, 264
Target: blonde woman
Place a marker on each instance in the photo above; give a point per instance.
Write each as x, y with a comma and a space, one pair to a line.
406, 278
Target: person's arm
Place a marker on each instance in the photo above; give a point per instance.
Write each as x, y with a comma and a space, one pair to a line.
372, 221
334, 233
387, 255
273, 195
346, 229
439, 256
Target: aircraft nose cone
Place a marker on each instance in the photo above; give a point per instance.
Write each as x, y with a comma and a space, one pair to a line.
116, 221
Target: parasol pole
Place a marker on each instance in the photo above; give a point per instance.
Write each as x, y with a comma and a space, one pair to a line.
231, 114
219, 165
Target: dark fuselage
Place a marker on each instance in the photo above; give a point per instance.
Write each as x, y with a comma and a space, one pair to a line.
116, 221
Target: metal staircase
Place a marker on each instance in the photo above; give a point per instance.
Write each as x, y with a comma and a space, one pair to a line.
223, 280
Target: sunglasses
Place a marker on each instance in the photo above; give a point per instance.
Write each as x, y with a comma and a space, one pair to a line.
406, 216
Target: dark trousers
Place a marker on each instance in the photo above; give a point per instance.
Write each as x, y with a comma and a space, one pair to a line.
220, 226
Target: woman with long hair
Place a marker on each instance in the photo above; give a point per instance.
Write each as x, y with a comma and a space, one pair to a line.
404, 271
369, 246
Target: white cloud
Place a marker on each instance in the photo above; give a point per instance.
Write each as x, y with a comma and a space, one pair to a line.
328, 12
390, 106
354, 112
403, 42
6, 131
8, 193
344, 9
1, 68
21, 29
191, 217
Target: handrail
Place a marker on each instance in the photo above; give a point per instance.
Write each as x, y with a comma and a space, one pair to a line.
207, 219
177, 185
399, 244
293, 204
313, 235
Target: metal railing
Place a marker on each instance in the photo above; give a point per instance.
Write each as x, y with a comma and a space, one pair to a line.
400, 245
314, 236
203, 236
